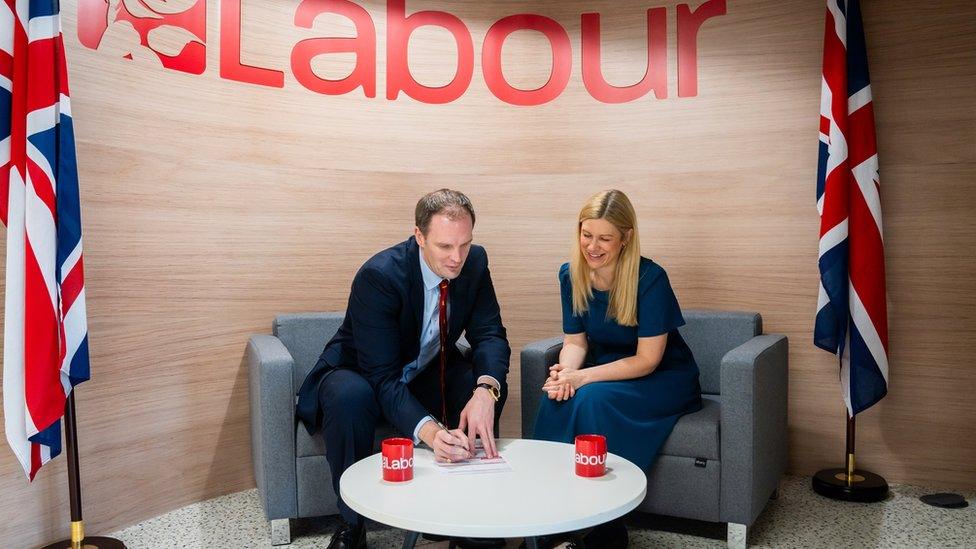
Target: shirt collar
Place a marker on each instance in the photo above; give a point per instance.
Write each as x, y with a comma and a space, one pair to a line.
431, 280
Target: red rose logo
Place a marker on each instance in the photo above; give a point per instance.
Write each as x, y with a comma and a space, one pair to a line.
171, 33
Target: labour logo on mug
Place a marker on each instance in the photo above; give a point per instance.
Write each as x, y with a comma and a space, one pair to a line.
394, 464
591, 460
591, 455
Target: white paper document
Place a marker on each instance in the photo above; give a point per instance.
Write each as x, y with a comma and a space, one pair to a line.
478, 464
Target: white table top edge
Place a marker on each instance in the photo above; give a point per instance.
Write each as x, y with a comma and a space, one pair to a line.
368, 469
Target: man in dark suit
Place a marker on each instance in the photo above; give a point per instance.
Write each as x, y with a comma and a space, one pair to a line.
395, 355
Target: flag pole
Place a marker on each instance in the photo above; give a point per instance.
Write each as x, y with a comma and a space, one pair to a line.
850, 451
78, 539
848, 483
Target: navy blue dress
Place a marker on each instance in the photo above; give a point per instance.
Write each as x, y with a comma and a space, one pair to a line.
636, 415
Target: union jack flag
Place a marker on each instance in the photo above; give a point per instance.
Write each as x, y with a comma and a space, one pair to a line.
852, 317
45, 351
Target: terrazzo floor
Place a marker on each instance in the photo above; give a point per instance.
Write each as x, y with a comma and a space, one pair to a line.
798, 518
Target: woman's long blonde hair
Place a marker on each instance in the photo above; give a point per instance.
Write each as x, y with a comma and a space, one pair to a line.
615, 207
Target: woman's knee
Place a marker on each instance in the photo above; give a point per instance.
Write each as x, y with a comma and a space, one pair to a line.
587, 396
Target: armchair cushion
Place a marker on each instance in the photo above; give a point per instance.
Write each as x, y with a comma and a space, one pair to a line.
696, 435
308, 445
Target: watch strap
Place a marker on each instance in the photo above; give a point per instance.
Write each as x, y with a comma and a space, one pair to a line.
492, 390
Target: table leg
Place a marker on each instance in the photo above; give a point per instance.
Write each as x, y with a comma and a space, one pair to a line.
530, 543
411, 540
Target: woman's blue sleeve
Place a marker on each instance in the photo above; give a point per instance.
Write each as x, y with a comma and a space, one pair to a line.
657, 307
572, 324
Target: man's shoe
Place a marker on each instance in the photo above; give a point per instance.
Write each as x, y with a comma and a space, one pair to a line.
348, 536
548, 542
572, 540
612, 535
478, 543
468, 543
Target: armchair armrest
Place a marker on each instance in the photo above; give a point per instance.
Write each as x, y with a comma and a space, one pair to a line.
272, 402
755, 387
536, 358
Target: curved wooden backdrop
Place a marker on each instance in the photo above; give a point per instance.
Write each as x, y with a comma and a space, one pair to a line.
211, 205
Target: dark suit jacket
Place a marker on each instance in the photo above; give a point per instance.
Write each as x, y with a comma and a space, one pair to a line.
381, 331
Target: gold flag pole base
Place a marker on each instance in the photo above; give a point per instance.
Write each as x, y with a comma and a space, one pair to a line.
80, 541
865, 486
90, 542
849, 483
78, 538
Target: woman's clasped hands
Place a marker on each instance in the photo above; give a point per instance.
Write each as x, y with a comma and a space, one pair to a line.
563, 382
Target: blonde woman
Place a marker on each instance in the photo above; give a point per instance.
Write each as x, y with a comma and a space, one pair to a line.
624, 371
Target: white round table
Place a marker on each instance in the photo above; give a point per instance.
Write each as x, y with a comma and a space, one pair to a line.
541, 495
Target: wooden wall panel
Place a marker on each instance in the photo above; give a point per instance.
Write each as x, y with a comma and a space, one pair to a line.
211, 205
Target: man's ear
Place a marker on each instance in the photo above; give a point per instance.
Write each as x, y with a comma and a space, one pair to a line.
421, 241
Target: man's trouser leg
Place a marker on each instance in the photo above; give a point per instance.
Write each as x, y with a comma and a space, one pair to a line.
350, 412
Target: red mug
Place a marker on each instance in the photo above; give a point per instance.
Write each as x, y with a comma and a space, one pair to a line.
397, 459
591, 455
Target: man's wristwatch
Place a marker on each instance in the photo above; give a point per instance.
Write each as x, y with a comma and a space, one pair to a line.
492, 390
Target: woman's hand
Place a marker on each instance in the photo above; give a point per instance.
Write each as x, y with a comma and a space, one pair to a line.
559, 393
563, 382
556, 368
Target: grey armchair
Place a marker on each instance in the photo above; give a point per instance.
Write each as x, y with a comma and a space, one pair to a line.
290, 468
722, 463
292, 475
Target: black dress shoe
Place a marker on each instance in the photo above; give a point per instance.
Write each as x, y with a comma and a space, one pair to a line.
477, 543
573, 540
612, 535
348, 536
467, 543
542, 542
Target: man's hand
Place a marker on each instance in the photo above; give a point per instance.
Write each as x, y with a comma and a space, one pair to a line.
447, 445
478, 418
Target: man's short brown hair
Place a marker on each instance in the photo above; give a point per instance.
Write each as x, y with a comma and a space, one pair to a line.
447, 202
